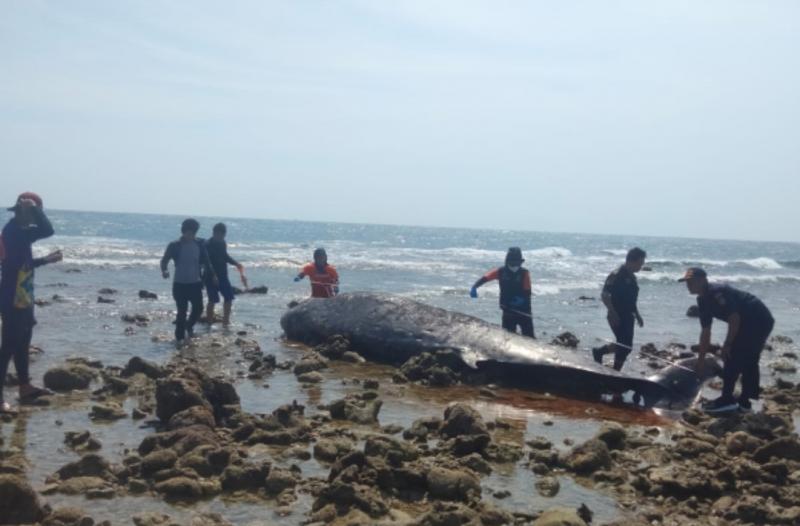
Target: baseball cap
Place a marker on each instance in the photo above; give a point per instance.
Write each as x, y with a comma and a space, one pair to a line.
27, 195
693, 272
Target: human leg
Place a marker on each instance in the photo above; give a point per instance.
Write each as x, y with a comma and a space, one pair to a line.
182, 304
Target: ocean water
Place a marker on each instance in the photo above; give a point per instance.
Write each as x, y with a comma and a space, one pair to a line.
433, 265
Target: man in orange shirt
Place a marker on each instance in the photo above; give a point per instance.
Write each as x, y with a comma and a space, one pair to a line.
515, 292
324, 278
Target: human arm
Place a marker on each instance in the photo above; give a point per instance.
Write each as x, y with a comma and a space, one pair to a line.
208, 268
705, 343
608, 299
52, 257
165, 261
639, 319
42, 227
302, 274
489, 276
335, 276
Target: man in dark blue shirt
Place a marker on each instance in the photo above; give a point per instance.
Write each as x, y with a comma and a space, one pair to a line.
749, 325
620, 294
29, 225
220, 259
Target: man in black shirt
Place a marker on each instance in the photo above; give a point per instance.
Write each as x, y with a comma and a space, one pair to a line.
218, 254
620, 293
749, 325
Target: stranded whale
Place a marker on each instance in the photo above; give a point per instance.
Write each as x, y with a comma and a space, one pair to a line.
392, 329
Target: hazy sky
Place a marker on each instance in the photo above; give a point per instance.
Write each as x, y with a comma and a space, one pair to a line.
664, 118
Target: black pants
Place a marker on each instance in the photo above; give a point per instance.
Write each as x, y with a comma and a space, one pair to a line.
17, 334
745, 354
623, 333
513, 319
185, 293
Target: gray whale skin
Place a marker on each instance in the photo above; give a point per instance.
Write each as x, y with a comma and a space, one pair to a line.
392, 329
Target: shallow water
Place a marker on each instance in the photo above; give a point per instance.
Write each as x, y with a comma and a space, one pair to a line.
432, 265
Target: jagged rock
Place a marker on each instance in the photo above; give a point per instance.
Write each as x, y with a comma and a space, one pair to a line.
84, 485
309, 364
683, 483
107, 291
195, 415
782, 448
328, 450
146, 367
613, 434
740, 442
566, 339
588, 457
154, 519
422, 427
193, 388
158, 460
180, 488
334, 348
450, 484
68, 517
147, 295
81, 440
89, 465
461, 419
439, 369
19, 501
384, 446
101, 299
279, 480
358, 411
547, 486
559, 517
107, 411
69, 377
246, 477
310, 378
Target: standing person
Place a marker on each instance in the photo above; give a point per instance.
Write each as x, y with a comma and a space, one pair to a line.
217, 250
749, 325
620, 294
29, 225
324, 278
191, 262
515, 292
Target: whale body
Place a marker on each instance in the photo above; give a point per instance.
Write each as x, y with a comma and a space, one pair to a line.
391, 329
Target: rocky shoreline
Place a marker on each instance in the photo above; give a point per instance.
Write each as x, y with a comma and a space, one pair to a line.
742, 469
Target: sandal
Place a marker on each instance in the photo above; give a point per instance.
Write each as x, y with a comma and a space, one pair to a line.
7, 409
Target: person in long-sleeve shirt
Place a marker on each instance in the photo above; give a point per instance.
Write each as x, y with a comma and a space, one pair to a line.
749, 325
191, 266
620, 295
515, 292
220, 259
29, 225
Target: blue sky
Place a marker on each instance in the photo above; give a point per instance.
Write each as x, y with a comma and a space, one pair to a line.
662, 118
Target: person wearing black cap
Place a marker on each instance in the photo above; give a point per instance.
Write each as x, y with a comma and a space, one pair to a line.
192, 268
620, 294
749, 325
324, 278
515, 292
29, 225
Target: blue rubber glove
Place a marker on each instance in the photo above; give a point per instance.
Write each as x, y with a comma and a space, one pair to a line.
297, 278
473, 292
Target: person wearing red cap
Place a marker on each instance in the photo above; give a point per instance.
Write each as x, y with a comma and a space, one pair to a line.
29, 225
